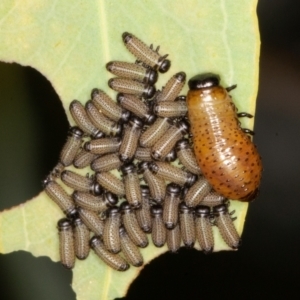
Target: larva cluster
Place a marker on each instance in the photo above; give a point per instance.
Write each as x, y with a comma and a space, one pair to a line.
140, 135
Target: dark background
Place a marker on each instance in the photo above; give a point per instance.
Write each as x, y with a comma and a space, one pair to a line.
267, 264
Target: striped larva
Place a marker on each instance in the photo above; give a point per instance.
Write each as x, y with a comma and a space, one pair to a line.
174, 238
128, 86
83, 159
103, 146
146, 54
171, 202
106, 163
71, 146
170, 109
187, 225
213, 199
132, 71
111, 183
224, 152
131, 135
81, 183
66, 243
143, 213
159, 231
132, 227
92, 221
109, 107
111, 237
115, 261
203, 228
81, 238
226, 227
82, 120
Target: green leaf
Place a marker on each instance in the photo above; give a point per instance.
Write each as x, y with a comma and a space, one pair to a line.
70, 43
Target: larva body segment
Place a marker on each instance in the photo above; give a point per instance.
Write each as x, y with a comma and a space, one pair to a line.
109, 107
213, 199
111, 183
226, 227
66, 243
115, 261
81, 238
170, 109
132, 71
170, 208
83, 159
174, 238
159, 231
203, 228
103, 146
91, 220
187, 225
143, 212
71, 146
145, 54
106, 163
225, 154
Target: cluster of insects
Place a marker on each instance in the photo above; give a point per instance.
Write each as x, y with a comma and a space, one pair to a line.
164, 189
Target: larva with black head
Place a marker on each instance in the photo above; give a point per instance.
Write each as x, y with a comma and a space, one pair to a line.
167, 142
137, 107
91, 219
97, 204
130, 250
146, 54
225, 154
203, 228
83, 159
187, 225
171, 173
132, 185
226, 227
109, 107
156, 184
132, 71
81, 183
170, 207
115, 261
143, 212
172, 89
132, 227
170, 109
81, 238
197, 192
71, 146
60, 197
129, 86
103, 123
187, 157
106, 163
111, 237
174, 238
103, 146
66, 243
131, 135
159, 231
82, 120
111, 183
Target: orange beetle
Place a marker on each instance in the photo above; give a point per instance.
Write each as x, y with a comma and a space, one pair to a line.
224, 152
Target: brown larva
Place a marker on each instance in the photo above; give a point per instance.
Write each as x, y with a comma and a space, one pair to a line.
71, 146
66, 243
97, 204
60, 197
106, 163
130, 250
109, 107
174, 238
197, 192
146, 54
115, 261
111, 237
132, 71
129, 86
102, 122
82, 120
111, 183
143, 213
172, 173
143, 154
156, 184
83, 159
203, 228
91, 220
159, 231
171, 202
132, 227
226, 227
131, 135
213, 199
103, 146
137, 107
132, 185
81, 238
187, 225
187, 157
81, 183
170, 109
167, 142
